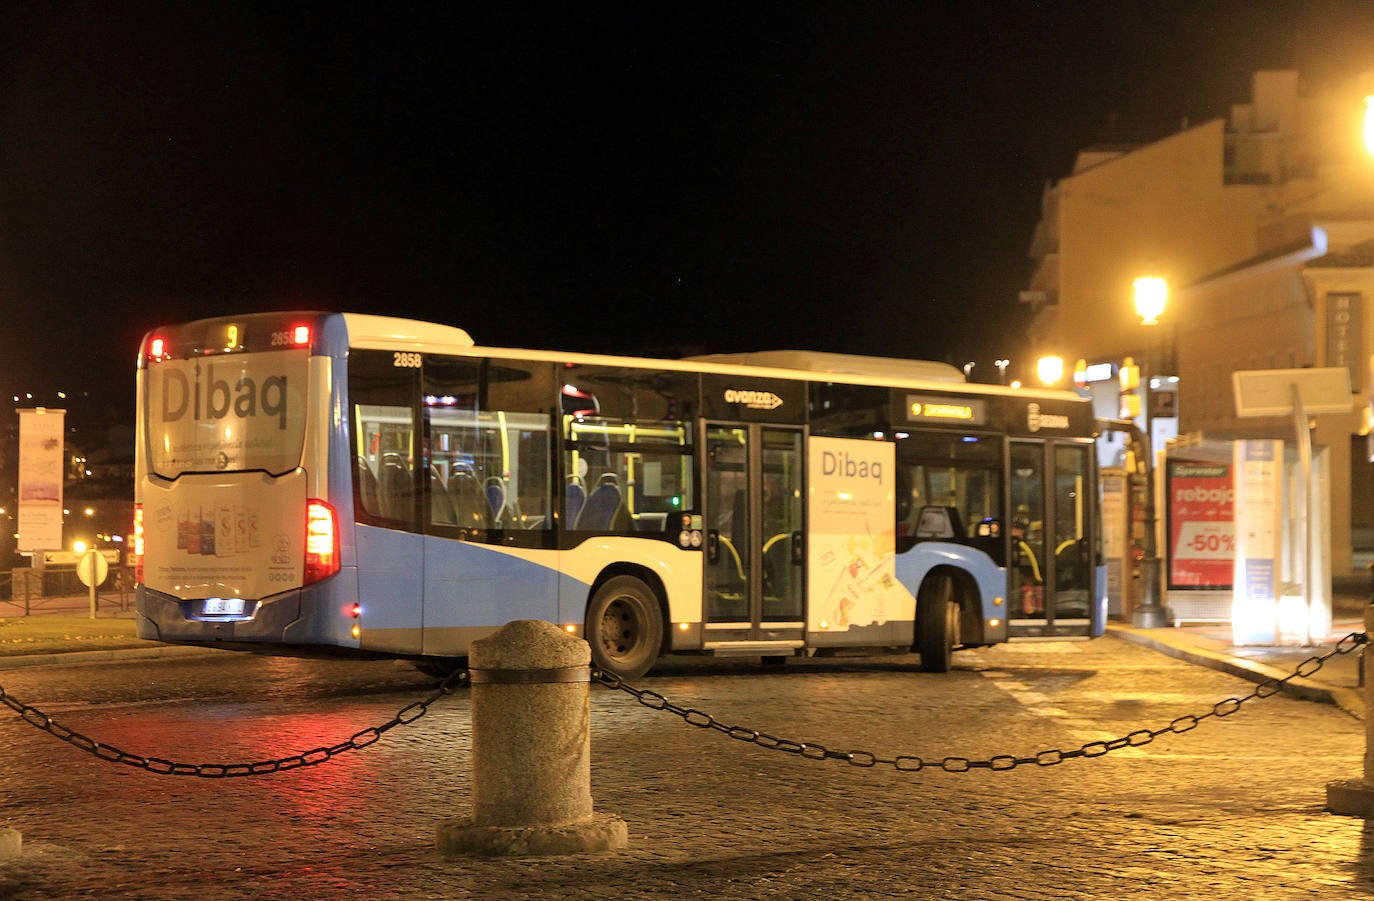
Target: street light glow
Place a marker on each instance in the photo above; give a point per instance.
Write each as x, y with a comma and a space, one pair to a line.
1151, 294
1050, 369
1369, 124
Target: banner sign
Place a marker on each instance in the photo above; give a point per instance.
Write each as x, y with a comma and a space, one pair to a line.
1258, 507
40, 479
1202, 538
853, 535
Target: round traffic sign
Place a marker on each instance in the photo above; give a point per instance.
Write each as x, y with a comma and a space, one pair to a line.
92, 568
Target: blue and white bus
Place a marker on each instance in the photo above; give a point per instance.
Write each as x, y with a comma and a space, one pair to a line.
312, 483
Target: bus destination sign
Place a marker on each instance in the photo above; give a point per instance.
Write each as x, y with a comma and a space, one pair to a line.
920, 408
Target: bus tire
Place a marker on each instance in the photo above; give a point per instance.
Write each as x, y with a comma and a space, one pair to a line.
937, 615
624, 627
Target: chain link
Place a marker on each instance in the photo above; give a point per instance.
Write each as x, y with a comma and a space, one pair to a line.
1001, 762
905, 763
361, 739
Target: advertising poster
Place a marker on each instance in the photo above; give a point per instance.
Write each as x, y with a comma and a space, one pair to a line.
852, 515
40, 479
1202, 538
1258, 499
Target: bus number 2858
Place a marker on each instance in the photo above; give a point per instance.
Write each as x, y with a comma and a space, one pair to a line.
407, 360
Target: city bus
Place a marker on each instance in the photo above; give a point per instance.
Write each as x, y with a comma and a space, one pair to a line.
334, 483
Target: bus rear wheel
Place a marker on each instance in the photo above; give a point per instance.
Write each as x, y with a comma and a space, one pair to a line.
624, 627
937, 614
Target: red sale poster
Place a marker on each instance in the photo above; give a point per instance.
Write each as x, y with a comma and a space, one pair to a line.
1202, 541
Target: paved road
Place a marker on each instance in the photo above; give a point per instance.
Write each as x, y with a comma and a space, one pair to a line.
1230, 809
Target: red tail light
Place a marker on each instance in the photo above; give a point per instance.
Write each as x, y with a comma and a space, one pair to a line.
321, 541
138, 543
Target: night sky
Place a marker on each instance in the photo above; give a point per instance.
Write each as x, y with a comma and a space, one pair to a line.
655, 179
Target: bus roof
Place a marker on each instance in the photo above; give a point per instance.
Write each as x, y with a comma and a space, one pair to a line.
390, 331
841, 364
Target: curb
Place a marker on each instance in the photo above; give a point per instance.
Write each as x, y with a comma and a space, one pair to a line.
1349, 700
76, 658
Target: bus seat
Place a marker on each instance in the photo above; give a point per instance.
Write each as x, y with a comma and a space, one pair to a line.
395, 491
440, 504
574, 496
367, 488
599, 513
939, 522
495, 490
470, 508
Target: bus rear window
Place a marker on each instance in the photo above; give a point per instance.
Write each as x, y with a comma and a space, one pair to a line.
227, 413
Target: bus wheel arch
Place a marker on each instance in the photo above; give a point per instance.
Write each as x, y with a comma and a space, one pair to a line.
625, 621
947, 617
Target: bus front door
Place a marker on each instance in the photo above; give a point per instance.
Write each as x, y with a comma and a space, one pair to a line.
1051, 574
755, 557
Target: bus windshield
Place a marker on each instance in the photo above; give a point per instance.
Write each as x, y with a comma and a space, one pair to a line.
227, 413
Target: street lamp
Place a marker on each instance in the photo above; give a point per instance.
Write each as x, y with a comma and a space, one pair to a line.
1050, 369
1002, 370
1151, 295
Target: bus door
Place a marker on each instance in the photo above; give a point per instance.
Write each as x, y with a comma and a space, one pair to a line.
1050, 572
755, 558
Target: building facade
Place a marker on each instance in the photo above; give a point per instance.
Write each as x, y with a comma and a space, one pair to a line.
1262, 223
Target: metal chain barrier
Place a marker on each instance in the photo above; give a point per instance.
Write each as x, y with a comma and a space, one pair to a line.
913, 764
361, 739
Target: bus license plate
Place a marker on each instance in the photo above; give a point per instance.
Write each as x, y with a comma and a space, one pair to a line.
224, 606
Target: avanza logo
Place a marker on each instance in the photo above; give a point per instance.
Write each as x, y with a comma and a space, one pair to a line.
754, 400
215, 398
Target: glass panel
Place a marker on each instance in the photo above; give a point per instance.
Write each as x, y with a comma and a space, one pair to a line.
1028, 569
626, 476
782, 525
727, 524
489, 434
1073, 571
227, 413
385, 450
959, 471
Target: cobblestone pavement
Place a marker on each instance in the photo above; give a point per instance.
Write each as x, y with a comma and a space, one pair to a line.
1232, 808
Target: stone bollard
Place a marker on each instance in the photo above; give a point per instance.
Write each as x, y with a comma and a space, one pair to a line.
11, 843
1355, 797
531, 749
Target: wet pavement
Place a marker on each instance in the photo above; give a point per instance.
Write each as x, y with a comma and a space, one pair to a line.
58, 627
1234, 807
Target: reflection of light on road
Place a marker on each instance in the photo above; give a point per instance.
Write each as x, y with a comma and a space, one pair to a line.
242, 736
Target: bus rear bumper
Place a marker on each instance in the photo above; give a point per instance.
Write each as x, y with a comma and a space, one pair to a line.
162, 617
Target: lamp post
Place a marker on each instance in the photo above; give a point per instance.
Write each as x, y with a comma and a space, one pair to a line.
1151, 295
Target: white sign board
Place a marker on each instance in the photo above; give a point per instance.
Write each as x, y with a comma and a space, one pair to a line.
1269, 392
40, 478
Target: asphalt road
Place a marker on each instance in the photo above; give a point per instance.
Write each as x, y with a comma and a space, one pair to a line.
1231, 808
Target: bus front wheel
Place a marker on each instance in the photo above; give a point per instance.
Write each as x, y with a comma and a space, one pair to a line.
937, 614
624, 627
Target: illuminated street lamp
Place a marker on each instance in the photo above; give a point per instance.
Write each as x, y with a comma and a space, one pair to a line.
1050, 369
1151, 295
1002, 370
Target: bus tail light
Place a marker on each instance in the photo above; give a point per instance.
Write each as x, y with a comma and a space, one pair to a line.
138, 544
321, 541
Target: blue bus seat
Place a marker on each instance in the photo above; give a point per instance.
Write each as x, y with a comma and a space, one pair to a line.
599, 512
